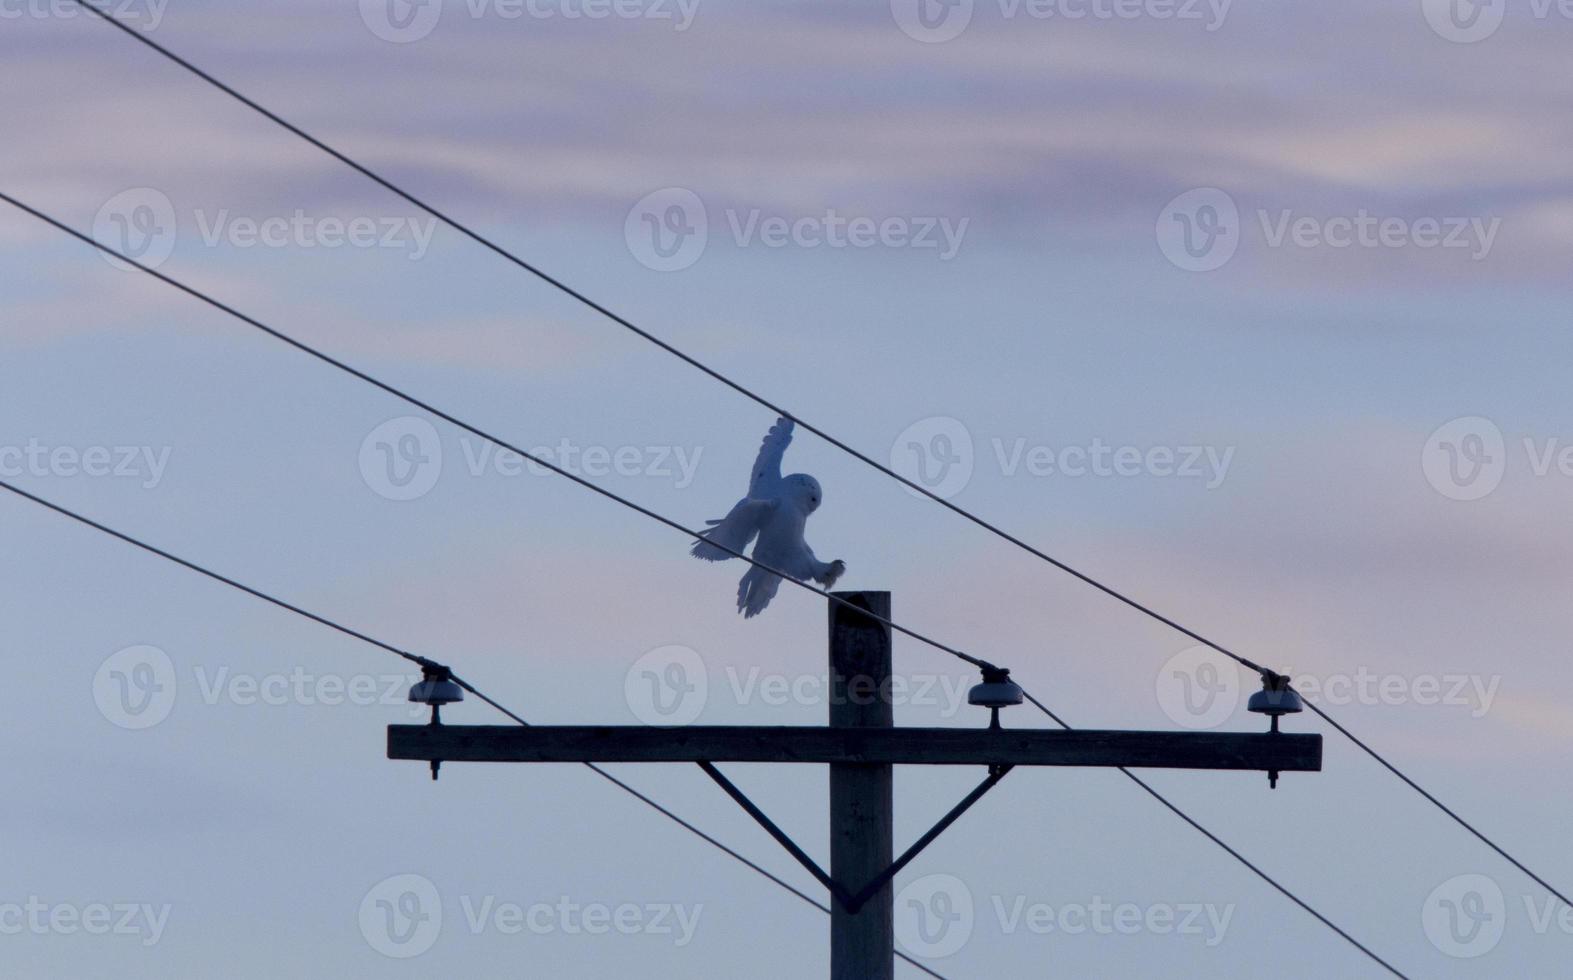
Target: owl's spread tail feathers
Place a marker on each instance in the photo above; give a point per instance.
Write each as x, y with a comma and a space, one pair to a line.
706, 550
733, 533
756, 590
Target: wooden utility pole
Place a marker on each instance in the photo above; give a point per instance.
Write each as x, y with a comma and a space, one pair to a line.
860, 745
862, 941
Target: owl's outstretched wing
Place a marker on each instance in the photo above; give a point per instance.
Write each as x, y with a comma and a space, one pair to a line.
755, 591
766, 478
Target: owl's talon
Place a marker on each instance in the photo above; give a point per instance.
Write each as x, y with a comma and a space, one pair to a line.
838, 568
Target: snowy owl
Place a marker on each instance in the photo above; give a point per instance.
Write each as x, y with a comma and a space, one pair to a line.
776, 510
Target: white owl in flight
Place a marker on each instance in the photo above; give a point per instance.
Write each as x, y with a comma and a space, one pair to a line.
776, 511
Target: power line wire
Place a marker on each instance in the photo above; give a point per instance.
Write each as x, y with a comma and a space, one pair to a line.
839, 444
634, 328
1147, 787
627, 324
424, 662
1436, 802
659, 808
476, 431
482, 434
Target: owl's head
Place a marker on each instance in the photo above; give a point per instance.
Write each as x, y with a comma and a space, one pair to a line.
804, 489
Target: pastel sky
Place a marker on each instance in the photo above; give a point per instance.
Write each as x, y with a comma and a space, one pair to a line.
1320, 251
